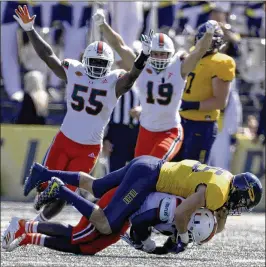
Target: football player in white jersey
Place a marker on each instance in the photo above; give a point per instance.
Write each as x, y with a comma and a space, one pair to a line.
157, 211
160, 88
92, 92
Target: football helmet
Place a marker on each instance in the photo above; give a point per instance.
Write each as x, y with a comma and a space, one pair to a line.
97, 59
245, 194
217, 39
202, 225
161, 43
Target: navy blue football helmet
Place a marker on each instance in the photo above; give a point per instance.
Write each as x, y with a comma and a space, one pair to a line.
245, 194
217, 40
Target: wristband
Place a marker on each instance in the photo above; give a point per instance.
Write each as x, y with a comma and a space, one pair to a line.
141, 60
184, 237
188, 105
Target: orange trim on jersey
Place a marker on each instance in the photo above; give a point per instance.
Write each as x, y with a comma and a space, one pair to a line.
100, 48
176, 145
161, 40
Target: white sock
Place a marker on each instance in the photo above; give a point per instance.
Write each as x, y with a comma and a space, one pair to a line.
31, 227
38, 239
41, 218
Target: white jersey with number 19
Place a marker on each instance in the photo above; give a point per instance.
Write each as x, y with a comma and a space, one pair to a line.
160, 96
90, 103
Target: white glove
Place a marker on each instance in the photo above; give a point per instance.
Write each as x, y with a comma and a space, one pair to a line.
211, 26
146, 42
148, 245
23, 18
99, 17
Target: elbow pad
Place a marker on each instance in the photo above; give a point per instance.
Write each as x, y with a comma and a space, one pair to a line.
140, 61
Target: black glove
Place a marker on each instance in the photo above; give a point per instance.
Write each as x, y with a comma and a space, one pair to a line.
160, 251
170, 244
189, 105
180, 246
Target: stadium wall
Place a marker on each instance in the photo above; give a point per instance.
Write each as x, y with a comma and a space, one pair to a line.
22, 145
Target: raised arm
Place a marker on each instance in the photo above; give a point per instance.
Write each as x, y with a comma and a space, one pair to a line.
115, 40
126, 82
202, 46
42, 48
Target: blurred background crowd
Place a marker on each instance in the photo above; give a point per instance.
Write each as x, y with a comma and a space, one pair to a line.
31, 94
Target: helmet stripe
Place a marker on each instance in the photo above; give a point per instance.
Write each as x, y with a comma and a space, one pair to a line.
251, 194
161, 40
100, 48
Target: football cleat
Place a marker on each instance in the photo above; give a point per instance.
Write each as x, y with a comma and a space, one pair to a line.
13, 231
49, 194
17, 243
35, 178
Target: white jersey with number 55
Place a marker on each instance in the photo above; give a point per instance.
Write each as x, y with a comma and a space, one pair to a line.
90, 103
160, 96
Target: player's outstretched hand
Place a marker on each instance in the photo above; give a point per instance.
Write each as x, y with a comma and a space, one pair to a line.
24, 19
99, 17
211, 25
146, 42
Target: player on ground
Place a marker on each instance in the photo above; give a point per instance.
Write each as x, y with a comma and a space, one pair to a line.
157, 210
160, 88
80, 239
202, 225
201, 185
92, 92
205, 94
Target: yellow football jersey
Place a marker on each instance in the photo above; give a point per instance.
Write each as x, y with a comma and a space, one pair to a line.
182, 178
199, 84
166, 3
